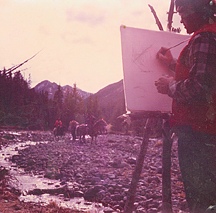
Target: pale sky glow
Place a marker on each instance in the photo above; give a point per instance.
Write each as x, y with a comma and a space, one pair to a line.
79, 40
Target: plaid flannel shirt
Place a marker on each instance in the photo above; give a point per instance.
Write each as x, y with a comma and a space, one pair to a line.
200, 58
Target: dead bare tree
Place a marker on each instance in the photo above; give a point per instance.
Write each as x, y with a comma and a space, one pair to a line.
167, 145
156, 18
170, 18
170, 15
15, 67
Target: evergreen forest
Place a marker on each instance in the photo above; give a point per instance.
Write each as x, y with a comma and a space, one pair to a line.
22, 107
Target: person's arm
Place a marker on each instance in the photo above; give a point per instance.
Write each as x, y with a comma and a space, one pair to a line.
165, 56
202, 74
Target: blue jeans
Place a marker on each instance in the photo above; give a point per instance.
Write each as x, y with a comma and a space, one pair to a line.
197, 161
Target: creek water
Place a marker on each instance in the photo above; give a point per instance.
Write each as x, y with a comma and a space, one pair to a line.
26, 182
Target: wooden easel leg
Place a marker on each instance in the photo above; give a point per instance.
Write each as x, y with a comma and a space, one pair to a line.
166, 175
129, 205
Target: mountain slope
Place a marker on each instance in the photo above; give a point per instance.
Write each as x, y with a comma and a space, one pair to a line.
111, 100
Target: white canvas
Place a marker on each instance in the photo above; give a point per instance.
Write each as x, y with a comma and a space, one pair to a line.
141, 68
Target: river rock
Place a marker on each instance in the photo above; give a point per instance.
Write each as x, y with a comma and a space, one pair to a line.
102, 171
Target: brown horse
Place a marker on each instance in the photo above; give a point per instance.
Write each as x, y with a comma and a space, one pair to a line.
72, 128
99, 127
82, 131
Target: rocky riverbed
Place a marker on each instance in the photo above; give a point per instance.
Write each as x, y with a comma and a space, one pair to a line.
99, 172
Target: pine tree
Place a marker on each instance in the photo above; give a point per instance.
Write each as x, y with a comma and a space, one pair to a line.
58, 102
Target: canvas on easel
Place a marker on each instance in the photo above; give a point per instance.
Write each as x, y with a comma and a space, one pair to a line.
141, 68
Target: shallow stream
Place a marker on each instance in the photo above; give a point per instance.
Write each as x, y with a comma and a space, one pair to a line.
26, 182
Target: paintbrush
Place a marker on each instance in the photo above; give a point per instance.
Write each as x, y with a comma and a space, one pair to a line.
176, 45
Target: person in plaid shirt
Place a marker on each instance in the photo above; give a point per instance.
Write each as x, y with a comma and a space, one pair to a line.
193, 90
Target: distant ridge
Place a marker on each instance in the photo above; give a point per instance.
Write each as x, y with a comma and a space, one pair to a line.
51, 88
110, 98
112, 92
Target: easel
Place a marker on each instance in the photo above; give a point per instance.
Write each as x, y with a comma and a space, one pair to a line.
166, 161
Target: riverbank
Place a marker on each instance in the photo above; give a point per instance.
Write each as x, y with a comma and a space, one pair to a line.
99, 172
9, 196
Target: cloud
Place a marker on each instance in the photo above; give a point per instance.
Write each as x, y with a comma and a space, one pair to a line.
89, 18
92, 16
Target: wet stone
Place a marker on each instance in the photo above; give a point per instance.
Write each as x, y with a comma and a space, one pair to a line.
108, 210
78, 194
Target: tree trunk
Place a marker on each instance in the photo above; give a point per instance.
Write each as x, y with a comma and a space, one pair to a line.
166, 174
156, 18
129, 206
170, 15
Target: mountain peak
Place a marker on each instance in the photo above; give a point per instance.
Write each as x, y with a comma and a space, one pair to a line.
110, 98
51, 88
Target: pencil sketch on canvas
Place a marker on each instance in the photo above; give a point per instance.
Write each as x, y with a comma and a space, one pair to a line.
141, 68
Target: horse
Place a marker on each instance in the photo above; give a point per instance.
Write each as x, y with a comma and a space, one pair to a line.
72, 128
99, 127
82, 131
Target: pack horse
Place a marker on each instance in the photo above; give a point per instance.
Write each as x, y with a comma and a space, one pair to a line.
80, 131
98, 128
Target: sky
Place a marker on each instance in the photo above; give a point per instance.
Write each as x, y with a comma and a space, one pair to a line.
77, 41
